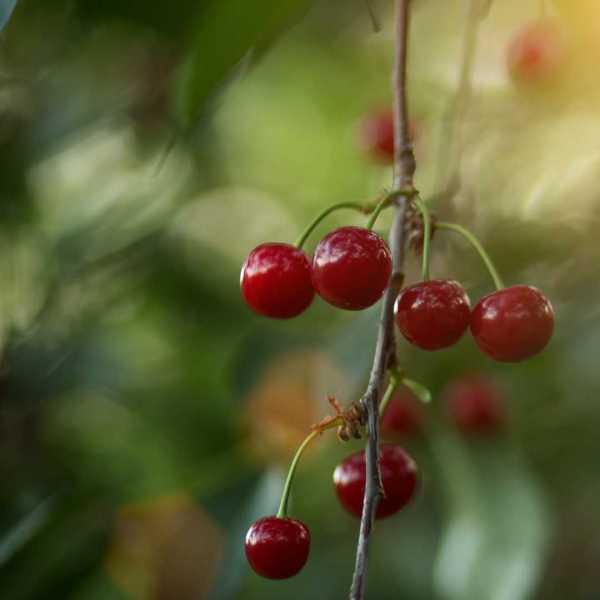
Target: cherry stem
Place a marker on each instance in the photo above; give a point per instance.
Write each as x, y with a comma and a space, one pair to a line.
283, 505
385, 201
426, 236
485, 257
362, 208
395, 379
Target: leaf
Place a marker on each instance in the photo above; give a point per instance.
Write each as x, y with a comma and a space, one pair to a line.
420, 391
6, 9
497, 530
24, 530
226, 32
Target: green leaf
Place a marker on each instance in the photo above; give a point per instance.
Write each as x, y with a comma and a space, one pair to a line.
6, 9
420, 391
227, 30
495, 539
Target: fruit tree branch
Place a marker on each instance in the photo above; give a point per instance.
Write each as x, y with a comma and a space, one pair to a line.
385, 349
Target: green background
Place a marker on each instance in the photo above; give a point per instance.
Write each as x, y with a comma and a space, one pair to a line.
147, 417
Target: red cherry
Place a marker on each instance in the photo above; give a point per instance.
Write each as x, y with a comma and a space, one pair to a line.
536, 52
351, 268
276, 281
398, 474
377, 134
513, 324
433, 314
475, 405
403, 415
277, 548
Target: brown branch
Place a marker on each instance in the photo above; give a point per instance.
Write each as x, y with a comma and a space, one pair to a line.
385, 349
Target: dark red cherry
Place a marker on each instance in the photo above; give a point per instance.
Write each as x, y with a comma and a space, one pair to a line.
277, 548
433, 314
403, 416
475, 405
351, 268
513, 324
536, 52
398, 474
276, 281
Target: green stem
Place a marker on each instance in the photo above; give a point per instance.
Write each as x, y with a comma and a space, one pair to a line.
282, 512
351, 205
389, 392
380, 206
426, 236
477, 245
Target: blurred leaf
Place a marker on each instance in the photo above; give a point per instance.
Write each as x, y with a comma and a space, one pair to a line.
494, 544
67, 547
12, 541
227, 30
420, 391
6, 8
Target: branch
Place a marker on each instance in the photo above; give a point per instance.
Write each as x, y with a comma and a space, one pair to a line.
385, 349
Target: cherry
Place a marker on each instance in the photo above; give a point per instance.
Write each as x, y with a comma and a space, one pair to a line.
536, 52
351, 268
398, 475
403, 415
277, 548
513, 324
433, 314
475, 405
377, 134
276, 281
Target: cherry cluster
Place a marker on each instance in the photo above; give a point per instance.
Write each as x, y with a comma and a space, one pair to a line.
351, 269
277, 547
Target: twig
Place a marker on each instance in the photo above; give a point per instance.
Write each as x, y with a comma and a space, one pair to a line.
385, 351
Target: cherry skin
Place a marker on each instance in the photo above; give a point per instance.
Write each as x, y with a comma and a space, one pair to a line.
276, 281
377, 134
513, 324
402, 416
433, 314
398, 475
475, 405
536, 52
351, 268
277, 548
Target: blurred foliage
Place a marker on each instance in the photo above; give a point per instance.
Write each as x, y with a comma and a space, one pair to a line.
146, 417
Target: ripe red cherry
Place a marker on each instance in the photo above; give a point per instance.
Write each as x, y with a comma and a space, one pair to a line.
398, 474
433, 314
536, 52
276, 281
403, 416
513, 324
277, 548
351, 268
475, 405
